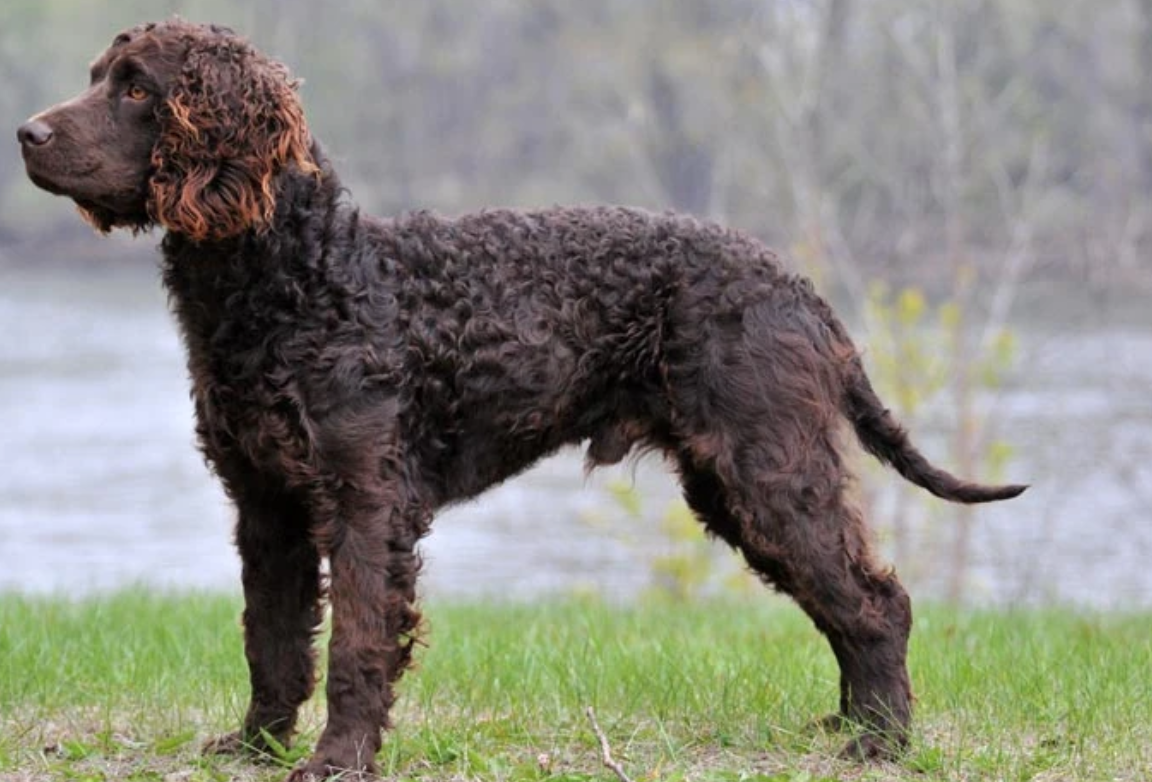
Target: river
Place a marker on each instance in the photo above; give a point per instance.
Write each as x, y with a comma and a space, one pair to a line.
102, 486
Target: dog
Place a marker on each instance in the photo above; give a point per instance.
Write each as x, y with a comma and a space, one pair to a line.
353, 374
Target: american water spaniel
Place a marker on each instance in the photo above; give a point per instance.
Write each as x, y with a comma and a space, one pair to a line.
352, 374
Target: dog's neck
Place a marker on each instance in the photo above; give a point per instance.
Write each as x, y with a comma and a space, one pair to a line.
211, 284
313, 214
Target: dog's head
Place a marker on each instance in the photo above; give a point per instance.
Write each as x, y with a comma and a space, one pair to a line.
182, 125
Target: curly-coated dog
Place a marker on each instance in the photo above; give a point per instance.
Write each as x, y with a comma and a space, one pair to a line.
352, 374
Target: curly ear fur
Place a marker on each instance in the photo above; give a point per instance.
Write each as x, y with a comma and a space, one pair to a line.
231, 123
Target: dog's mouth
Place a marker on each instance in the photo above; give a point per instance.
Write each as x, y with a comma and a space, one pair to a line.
66, 183
104, 211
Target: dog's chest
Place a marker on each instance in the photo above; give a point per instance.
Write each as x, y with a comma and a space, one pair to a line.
249, 419
246, 393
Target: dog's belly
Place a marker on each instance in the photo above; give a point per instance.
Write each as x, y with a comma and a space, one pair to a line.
492, 438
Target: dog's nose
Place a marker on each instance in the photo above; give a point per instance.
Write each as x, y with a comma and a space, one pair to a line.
34, 133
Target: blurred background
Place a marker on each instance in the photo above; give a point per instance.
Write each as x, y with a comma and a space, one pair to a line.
968, 180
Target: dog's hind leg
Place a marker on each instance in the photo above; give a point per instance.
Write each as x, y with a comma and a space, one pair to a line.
756, 403
797, 531
282, 612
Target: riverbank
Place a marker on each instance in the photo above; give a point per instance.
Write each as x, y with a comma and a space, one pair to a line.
127, 686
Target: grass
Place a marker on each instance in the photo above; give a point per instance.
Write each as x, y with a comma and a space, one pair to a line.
126, 687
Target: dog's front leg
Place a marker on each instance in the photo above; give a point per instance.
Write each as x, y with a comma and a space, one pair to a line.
372, 592
282, 612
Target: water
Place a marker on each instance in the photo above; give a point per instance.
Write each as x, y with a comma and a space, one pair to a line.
102, 486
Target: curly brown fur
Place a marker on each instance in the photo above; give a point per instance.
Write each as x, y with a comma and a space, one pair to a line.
351, 375
230, 124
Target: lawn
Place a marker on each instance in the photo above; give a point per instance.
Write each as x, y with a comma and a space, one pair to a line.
127, 687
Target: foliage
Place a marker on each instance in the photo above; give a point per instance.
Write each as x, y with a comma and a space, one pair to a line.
906, 365
914, 349
852, 131
916, 355
688, 564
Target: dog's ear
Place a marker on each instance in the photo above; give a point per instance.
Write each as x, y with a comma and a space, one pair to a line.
230, 124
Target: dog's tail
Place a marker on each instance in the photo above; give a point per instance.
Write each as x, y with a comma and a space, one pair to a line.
883, 437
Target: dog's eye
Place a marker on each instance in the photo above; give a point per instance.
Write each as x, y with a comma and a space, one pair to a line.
136, 93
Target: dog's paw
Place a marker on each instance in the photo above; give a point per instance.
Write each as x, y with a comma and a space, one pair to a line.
229, 744
237, 743
874, 747
319, 771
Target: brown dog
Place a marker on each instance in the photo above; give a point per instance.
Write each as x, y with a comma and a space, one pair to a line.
351, 375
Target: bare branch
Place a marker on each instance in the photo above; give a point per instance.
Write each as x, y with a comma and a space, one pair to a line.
605, 750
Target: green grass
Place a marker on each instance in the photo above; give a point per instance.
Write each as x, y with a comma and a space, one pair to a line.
127, 687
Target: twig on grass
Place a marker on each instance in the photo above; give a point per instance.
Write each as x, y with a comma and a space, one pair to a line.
605, 750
